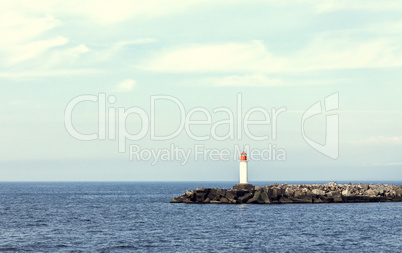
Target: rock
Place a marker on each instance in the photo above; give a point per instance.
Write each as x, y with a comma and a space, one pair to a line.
275, 194
245, 198
200, 196
389, 195
213, 194
338, 199
283, 189
216, 194
264, 196
240, 193
257, 188
189, 193
371, 192
289, 191
318, 192
317, 200
310, 193
298, 194
285, 200
354, 199
302, 199
255, 199
231, 195
246, 187
220, 192
364, 186
224, 200
346, 193
177, 200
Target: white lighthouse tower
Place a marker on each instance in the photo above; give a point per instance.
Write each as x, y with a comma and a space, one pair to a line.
243, 168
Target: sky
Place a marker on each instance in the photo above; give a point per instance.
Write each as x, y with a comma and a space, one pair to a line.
161, 65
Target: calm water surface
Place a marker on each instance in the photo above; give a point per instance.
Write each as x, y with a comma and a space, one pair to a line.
113, 217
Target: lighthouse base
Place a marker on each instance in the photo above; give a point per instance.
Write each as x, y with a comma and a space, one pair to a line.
244, 187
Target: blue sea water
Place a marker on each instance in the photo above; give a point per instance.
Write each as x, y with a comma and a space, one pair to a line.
132, 216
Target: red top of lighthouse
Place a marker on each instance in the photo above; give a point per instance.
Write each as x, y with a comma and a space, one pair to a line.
243, 156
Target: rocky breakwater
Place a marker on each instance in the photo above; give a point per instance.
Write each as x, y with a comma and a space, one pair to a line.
287, 194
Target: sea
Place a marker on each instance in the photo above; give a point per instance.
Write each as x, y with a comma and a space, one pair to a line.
137, 217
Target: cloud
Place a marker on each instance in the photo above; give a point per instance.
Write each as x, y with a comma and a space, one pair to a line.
18, 28
22, 37
231, 57
387, 164
105, 12
125, 86
30, 51
325, 51
259, 80
134, 42
58, 56
383, 140
239, 80
35, 42
34, 47
46, 73
337, 5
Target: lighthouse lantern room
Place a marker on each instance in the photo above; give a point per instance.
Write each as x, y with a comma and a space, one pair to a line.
243, 168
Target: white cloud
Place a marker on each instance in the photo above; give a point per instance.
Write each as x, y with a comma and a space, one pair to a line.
31, 36
21, 40
387, 164
32, 44
18, 28
337, 50
328, 50
17, 102
33, 49
29, 51
236, 80
230, 57
337, 5
125, 86
259, 80
46, 73
135, 41
107, 12
383, 140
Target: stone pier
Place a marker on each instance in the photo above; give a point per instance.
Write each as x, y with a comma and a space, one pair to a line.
287, 194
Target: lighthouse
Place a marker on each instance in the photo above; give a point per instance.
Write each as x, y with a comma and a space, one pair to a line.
243, 185
243, 168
